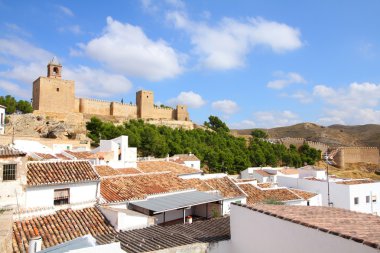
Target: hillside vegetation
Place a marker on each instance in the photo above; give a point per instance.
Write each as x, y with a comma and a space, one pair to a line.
334, 135
217, 149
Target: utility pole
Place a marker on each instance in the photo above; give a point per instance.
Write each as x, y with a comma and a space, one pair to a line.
329, 203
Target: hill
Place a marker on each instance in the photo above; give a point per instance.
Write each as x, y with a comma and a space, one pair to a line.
334, 135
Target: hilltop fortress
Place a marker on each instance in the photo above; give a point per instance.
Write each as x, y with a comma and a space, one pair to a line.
54, 96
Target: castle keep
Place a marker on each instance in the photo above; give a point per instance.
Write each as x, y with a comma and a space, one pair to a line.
52, 94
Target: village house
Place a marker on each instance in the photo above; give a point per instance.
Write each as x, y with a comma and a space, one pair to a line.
12, 176
60, 184
302, 229
259, 173
359, 195
189, 160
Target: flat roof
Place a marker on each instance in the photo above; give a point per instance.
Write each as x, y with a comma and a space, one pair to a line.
177, 200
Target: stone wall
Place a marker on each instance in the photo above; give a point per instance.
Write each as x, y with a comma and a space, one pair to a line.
347, 155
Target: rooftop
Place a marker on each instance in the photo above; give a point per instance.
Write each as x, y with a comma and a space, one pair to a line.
289, 171
158, 238
359, 227
6, 151
60, 227
357, 181
59, 172
185, 157
225, 186
80, 154
45, 156
160, 166
262, 173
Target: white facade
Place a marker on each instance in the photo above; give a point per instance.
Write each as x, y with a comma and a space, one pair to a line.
341, 195
2, 119
257, 232
257, 173
123, 156
193, 164
43, 196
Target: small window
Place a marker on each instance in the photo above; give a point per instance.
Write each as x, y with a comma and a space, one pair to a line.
57, 89
308, 203
367, 199
374, 199
61, 197
356, 200
9, 172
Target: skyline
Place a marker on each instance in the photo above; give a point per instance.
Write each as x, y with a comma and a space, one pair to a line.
252, 64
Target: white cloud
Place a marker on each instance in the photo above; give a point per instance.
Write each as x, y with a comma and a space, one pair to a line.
149, 6
285, 79
244, 124
276, 119
17, 49
75, 29
176, 3
302, 96
126, 49
356, 104
66, 10
225, 106
226, 45
14, 89
191, 99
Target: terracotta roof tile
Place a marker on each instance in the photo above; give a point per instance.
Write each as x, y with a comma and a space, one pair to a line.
359, 227
129, 187
185, 157
62, 157
60, 227
257, 195
199, 184
289, 171
262, 173
357, 181
105, 170
265, 185
129, 171
6, 151
225, 186
45, 156
80, 154
41, 173
160, 166
304, 194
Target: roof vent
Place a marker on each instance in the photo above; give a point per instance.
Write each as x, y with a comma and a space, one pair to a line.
35, 244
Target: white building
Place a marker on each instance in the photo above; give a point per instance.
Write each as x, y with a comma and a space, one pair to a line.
122, 156
274, 228
359, 195
189, 160
261, 174
60, 184
2, 119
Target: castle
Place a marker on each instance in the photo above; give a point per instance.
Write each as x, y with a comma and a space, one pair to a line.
54, 95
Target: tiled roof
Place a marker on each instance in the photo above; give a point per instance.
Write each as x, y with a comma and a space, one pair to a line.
262, 173
129, 187
199, 184
60, 227
265, 185
41, 173
129, 171
227, 188
155, 238
185, 157
288, 171
359, 227
357, 181
256, 195
45, 156
80, 154
62, 157
304, 194
160, 166
6, 151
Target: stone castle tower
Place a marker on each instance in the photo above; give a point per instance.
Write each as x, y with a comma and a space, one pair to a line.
52, 93
54, 96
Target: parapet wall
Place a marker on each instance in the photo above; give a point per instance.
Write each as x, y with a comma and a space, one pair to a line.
298, 142
347, 155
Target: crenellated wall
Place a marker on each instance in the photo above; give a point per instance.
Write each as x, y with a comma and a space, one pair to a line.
347, 155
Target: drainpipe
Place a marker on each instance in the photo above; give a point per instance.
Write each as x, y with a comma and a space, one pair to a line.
35, 244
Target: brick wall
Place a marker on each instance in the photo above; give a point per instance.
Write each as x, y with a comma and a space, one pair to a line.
347, 155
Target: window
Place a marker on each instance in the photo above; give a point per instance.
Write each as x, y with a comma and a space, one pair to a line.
374, 199
356, 200
367, 199
57, 89
61, 197
308, 203
9, 172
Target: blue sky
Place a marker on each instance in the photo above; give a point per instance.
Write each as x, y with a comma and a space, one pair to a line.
252, 63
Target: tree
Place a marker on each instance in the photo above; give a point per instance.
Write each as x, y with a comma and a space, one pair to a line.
24, 106
259, 133
12, 105
216, 124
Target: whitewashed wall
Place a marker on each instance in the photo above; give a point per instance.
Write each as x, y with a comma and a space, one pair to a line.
227, 203
43, 196
255, 232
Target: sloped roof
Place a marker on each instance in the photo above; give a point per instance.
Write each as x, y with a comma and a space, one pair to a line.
45, 156
129, 171
105, 170
257, 195
6, 151
160, 166
80, 154
130, 187
60, 227
304, 194
59, 172
262, 173
359, 227
199, 184
357, 181
289, 171
157, 238
225, 186
185, 157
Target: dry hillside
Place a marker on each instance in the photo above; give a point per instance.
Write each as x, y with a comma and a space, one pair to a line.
335, 135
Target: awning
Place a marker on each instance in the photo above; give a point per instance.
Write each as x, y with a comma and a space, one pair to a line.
177, 201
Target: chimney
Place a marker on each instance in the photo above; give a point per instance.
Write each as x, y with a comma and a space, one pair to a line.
35, 244
190, 154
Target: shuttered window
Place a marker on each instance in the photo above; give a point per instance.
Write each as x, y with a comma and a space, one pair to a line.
61, 196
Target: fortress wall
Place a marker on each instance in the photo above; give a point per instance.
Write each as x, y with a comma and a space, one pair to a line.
76, 105
298, 142
163, 113
131, 112
357, 155
94, 106
318, 146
